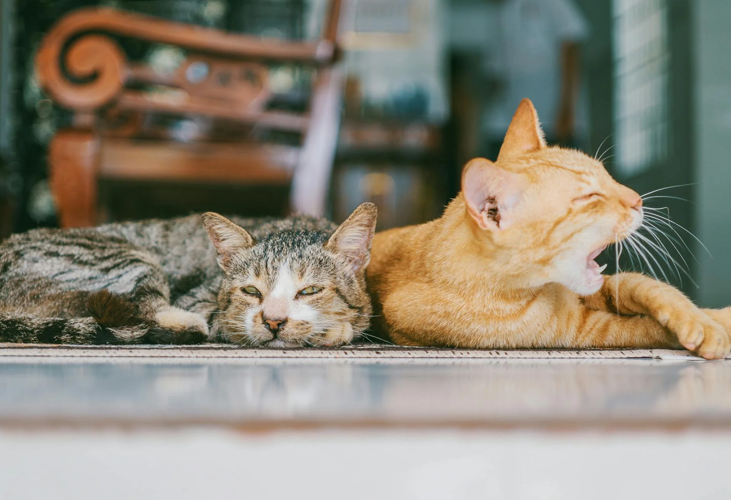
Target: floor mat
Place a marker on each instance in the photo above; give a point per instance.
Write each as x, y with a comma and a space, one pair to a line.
368, 352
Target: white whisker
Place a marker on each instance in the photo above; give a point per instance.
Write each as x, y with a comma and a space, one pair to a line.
602, 144
670, 221
668, 197
668, 187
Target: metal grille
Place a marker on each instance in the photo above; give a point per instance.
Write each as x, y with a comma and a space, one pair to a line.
641, 61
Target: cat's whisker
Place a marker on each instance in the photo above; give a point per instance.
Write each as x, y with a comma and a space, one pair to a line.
604, 160
655, 233
375, 340
668, 187
618, 245
602, 144
661, 222
667, 197
632, 258
664, 254
654, 229
640, 243
645, 264
670, 221
602, 157
661, 252
657, 224
641, 255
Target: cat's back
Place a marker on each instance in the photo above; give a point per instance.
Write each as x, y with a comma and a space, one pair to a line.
397, 255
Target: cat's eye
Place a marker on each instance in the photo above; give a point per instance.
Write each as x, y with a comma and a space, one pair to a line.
251, 290
588, 197
310, 290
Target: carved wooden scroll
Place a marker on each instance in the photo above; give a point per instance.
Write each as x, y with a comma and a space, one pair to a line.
83, 69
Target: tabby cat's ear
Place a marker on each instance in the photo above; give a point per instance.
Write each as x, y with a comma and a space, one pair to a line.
490, 193
353, 238
227, 237
524, 134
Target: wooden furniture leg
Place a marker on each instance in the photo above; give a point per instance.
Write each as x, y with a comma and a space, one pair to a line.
311, 180
73, 159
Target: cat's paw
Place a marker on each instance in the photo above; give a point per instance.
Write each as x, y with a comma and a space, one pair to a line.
336, 336
184, 327
696, 330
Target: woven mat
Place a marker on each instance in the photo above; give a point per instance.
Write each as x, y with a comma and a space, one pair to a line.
363, 352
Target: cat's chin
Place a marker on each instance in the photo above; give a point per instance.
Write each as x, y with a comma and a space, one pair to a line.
586, 281
278, 344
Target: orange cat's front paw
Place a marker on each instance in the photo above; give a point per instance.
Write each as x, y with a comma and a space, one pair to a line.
696, 331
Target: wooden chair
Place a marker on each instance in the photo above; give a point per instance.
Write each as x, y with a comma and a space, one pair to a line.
115, 133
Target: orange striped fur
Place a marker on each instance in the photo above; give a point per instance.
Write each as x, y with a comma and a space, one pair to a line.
510, 263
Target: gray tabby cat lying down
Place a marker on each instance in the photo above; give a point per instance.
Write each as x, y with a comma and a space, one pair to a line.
298, 281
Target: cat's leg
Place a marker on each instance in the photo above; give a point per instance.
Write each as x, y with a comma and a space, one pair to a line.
201, 301
175, 325
554, 318
636, 294
146, 286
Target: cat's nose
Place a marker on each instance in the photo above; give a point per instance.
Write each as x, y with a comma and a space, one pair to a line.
632, 200
274, 325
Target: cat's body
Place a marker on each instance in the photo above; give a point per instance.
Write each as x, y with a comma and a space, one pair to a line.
162, 281
510, 264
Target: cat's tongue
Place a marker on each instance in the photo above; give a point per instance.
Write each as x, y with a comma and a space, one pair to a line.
593, 270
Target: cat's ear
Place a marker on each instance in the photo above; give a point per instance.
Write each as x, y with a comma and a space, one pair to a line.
490, 193
524, 134
227, 237
353, 238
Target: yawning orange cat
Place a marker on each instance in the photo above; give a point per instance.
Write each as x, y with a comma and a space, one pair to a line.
510, 264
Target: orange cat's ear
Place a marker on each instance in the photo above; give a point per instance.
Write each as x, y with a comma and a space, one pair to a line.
491, 193
524, 134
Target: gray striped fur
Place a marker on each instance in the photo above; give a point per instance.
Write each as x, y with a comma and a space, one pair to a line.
160, 281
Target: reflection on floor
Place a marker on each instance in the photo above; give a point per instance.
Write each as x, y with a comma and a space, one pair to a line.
270, 392
209, 422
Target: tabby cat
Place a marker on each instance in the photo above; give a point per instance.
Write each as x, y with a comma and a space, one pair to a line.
510, 264
292, 282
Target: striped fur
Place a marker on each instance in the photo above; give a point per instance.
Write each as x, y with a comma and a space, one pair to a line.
161, 281
510, 263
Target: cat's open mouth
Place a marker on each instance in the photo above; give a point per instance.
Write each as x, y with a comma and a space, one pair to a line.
594, 270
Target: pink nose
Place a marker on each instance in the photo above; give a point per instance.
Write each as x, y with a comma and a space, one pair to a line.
632, 200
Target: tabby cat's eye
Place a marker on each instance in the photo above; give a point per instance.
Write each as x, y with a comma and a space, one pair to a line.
310, 290
251, 290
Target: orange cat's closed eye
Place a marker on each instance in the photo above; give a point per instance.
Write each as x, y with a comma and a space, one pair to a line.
588, 197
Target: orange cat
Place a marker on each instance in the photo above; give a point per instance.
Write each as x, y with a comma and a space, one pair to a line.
510, 264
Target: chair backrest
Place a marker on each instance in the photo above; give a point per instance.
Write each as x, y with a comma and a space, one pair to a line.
222, 85
225, 76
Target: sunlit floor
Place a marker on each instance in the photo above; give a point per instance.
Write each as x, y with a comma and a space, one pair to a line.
362, 423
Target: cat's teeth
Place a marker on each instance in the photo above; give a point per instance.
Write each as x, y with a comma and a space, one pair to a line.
602, 268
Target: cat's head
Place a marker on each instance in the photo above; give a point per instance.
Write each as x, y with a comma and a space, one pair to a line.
546, 212
297, 285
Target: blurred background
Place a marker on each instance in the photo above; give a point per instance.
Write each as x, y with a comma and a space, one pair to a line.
110, 116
